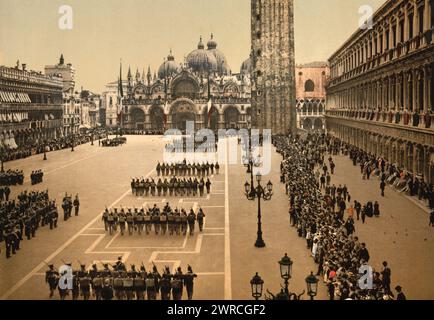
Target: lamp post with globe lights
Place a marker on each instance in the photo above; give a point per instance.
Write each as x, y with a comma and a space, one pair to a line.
259, 193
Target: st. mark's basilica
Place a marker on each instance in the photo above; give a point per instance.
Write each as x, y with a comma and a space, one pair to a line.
202, 89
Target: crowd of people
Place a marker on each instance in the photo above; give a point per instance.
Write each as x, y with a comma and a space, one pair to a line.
171, 187
36, 177
187, 169
24, 216
116, 282
162, 221
11, 178
330, 235
389, 173
60, 143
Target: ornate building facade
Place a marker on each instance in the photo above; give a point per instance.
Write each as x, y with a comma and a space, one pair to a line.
380, 95
30, 106
202, 89
71, 100
311, 80
273, 77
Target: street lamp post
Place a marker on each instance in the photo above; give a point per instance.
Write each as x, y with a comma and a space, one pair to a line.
72, 143
45, 150
259, 193
286, 271
312, 286
257, 285
91, 140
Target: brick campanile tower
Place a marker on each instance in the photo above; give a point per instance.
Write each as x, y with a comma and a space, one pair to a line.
273, 85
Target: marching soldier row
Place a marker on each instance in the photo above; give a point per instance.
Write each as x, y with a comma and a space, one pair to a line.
173, 187
162, 221
187, 169
120, 283
23, 218
115, 142
11, 178
36, 177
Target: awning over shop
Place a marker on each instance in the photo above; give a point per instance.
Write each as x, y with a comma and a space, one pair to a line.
14, 97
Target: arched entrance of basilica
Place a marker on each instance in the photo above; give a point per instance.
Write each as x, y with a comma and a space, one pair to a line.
231, 118
138, 118
157, 118
182, 112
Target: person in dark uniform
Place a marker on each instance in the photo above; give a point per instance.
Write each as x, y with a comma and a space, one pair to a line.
165, 286
200, 219
85, 282
76, 205
191, 219
52, 279
189, 282
107, 291
401, 295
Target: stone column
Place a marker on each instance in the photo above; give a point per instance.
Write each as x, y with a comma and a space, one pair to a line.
414, 88
427, 88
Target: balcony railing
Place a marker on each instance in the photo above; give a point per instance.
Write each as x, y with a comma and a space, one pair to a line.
401, 49
402, 118
30, 107
43, 124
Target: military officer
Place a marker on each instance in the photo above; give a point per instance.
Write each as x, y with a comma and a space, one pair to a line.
189, 282
52, 279
200, 218
191, 221
122, 220
85, 282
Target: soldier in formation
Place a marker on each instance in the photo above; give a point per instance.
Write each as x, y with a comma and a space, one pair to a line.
187, 169
159, 221
177, 187
67, 205
36, 177
24, 216
115, 281
12, 178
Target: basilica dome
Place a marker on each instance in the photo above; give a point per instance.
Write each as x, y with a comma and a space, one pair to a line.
222, 65
168, 68
247, 67
201, 60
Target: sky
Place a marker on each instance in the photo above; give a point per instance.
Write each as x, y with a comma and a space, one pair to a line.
142, 32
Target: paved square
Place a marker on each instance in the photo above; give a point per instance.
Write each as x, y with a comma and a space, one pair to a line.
223, 255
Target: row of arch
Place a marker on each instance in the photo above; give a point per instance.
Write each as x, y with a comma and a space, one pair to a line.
155, 118
414, 157
311, 107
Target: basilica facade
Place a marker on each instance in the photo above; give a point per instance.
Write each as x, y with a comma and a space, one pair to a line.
202, 89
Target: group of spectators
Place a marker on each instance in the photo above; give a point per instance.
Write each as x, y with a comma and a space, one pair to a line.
389, 173
30, 149
330, 235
